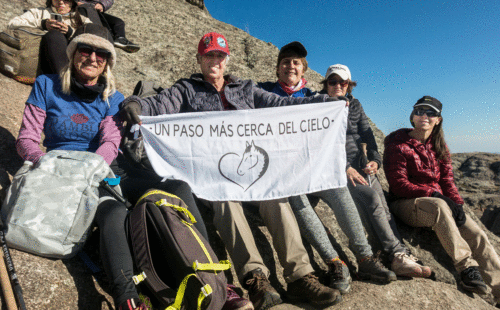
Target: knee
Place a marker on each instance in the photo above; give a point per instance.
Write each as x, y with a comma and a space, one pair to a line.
177, 187
439, 208
53, 36
371, 201
110, 210
119, 22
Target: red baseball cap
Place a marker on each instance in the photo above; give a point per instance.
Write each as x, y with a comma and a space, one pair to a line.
213, 41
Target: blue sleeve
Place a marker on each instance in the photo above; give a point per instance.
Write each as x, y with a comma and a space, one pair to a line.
38, 92
268, 86
114, 103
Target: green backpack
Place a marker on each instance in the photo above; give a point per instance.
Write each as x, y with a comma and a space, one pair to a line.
19, 50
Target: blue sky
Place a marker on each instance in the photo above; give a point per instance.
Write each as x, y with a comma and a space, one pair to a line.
397, 51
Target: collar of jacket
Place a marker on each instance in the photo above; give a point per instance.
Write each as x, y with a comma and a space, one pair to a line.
230, 78
403, 136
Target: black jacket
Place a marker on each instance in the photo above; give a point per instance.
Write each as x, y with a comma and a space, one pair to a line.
358, 131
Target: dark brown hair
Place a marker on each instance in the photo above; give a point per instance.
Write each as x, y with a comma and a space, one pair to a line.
351, 86
286, 54
76, 19
73, 5
437, 138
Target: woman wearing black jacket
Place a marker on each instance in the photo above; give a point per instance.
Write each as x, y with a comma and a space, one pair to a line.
363, 162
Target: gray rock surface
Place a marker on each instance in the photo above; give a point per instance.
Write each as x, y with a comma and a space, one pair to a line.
168, 32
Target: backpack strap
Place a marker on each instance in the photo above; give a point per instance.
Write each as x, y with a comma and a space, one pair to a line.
204, 292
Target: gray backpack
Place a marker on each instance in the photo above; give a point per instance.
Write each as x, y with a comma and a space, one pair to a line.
50, 205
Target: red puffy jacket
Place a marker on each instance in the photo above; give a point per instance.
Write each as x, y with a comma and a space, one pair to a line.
413, 170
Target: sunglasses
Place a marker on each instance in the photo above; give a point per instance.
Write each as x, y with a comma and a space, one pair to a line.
100, 54
429, 113
335, 82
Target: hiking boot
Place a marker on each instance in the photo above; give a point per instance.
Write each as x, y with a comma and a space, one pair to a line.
472, 280
407, 266
340, 278
371, 268
310, 290
261, 293
126, 45
235, 301
133, 304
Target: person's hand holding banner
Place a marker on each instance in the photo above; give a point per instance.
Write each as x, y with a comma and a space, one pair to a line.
130, 113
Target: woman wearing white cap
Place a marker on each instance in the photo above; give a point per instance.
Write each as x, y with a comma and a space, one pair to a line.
363, 184
418, 167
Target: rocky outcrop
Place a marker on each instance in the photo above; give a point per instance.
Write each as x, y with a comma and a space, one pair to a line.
168, 32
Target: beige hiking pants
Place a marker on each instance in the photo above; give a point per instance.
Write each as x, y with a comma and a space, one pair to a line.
278, 216
467, 246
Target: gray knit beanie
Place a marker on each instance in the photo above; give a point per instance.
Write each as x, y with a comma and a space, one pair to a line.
93, 35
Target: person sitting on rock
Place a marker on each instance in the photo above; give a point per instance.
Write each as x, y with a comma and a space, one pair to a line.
362, 181
290, 69
85, 88
418, 166
212, 91
114, 24
52, 57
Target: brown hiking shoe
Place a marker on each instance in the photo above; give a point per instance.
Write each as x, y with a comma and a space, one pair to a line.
260, 292
309, 289
371, 268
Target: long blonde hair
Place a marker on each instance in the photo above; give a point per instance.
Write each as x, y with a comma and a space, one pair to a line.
67, 72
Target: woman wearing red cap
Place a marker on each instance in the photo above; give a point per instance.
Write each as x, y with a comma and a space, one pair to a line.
213, 91
418, 167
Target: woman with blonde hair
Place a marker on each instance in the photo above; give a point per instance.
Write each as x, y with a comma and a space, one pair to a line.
77, 110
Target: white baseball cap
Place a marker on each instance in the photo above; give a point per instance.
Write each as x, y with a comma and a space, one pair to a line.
340, 70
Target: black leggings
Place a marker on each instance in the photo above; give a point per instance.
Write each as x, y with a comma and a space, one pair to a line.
114, 24
52, 57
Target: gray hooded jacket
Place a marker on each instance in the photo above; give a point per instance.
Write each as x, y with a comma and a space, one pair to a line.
195, 95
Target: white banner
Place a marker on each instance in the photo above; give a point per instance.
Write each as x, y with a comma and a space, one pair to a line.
251, 154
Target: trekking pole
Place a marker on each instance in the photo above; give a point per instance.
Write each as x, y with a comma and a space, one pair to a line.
115, 194
365, 158
7, 291
11, 272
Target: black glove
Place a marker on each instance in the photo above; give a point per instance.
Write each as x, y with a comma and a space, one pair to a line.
456, 210
130, 112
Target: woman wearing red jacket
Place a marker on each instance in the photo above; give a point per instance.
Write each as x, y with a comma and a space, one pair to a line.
418, 168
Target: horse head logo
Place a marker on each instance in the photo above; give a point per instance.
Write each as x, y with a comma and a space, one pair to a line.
251, 167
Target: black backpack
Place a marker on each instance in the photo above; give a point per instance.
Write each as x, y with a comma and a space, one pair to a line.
176, 263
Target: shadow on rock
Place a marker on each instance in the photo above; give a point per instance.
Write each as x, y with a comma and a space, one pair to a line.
10, 161
88, 275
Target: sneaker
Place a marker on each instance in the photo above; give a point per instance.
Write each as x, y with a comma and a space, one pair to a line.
407, 266
126, 45
235, 301
472, 280
310, 290
426, 271
371, 268
340, 278
261, 293
133, 304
